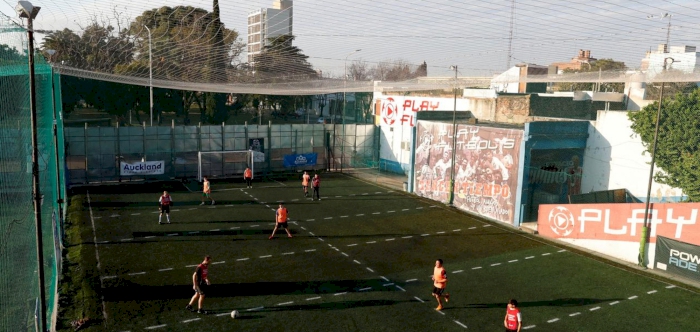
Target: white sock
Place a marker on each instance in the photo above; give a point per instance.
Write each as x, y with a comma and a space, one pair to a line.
159, 217
168, 216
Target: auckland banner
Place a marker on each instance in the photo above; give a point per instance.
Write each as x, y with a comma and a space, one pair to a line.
679, 258
486, 172
300, 160
142, 168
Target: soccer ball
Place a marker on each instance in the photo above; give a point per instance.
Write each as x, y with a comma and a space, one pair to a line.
235, 314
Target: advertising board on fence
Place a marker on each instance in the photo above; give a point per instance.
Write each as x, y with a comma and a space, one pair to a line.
486, 167
678, 258
619, 222
142, 168
300, 160
257, 145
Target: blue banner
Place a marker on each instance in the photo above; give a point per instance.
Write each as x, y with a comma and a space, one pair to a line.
300, 160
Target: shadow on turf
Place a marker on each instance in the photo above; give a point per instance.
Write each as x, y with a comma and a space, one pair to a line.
125, 290
154, 203
263, 230
566, 302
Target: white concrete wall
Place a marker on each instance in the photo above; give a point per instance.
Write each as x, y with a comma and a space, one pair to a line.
614, 160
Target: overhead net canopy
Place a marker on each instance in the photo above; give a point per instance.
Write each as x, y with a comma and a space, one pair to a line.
244, 46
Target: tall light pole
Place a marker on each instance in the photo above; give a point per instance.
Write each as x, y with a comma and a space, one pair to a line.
668, 28
345, 86
454, 141
150, 72
645, 228
25, 9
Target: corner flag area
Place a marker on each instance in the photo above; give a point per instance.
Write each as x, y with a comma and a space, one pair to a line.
361, 259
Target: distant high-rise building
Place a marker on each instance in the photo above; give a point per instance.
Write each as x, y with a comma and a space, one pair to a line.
267, 23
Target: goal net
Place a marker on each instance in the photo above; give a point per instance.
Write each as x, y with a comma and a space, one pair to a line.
224, 164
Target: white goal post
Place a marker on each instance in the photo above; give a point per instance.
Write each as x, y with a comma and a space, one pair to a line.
215, 163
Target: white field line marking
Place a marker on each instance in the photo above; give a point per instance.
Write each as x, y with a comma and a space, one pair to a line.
552, 320
309, 250
190, 209
152, 212
193, 265
220, 262
328, 218
574, 314
320, 239
310, 219
529, 327
149, 237
614, 303
529, 257
472, 227
194, 232
424, 234
313, 298
124, 240
563, 250
215, 230
364, 289
228, 205
476, 267
191, 320
288, 253
368, 242
365, 193
108, 277
97, 255
103, 242
344, 254
359, 215
487, 225
338, 196
441, 232
651, 292
594, 309
223, 314
352, 194
378, 192
266, 256
546, 254
312, 233
344, 216
512, 261
242, 259
456, 230
356, 261
458, 271
172, 234
256, 309
376, 212
370, 270
116, 215
418, 208
460, 324
385, 279
405, 209
303, 228
419, 300
234, 228
156, 326
98, 218
343, 293
670, 286
407, 237
389, 284
391, 211
399, 287
285, 303
391, 239
440, 312
166, 269
411, 280
352, 245
495, 264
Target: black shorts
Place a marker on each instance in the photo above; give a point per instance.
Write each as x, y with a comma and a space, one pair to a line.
438, 291
509, 330
282, 225
203, 287
165, 209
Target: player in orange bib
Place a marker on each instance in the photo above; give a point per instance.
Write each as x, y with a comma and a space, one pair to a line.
206, 191
164, 203
439, 283
281, 221
248, 176
514, 319
305, 183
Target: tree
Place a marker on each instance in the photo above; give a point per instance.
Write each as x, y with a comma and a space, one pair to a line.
397, 70
279, 60
677, 152
596, 66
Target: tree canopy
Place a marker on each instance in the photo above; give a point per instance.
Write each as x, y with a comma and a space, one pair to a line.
279, 56
678, 147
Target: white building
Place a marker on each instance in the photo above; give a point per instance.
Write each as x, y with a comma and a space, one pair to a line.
268, 23
685, 59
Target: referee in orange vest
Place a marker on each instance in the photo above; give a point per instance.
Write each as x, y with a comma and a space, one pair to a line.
281, 221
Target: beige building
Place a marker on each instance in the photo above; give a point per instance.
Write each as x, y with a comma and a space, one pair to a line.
268, 23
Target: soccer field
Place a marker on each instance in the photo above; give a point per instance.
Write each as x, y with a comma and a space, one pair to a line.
360, 260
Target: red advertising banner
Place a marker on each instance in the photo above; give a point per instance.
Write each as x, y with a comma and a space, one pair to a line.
486, 171
620, 222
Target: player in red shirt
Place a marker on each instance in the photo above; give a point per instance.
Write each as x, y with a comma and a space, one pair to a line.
514, 320
439, 284
281, 221
248, 176
305, 183
164, 203
200, 281
316, 184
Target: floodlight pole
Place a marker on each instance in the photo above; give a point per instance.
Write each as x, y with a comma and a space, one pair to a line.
150, 73
345, 82
645, 227
26, 10
454, 142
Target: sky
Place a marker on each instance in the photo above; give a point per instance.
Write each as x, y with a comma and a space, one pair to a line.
476, 36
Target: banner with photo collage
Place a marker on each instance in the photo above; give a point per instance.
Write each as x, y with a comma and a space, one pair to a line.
486, 167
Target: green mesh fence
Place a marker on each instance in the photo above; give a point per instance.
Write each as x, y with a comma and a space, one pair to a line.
19, 278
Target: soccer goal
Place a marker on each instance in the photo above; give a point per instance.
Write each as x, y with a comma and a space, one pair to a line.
224, 164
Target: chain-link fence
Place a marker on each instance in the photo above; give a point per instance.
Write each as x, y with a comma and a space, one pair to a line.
19, 278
